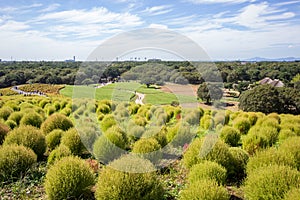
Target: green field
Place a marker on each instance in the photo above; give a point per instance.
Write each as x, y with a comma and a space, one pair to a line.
124, 92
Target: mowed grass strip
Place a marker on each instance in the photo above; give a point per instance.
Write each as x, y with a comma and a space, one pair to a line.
123, 92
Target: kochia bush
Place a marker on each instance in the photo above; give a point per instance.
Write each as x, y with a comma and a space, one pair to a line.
72, 140
53, 138
56, 121
71, 177
271, 182
230, 136
147, 148
15, 161
32, 119
129, 177
60, 152
28, 136
207, 170
204, 189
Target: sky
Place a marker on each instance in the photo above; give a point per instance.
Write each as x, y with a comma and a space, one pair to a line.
224, 29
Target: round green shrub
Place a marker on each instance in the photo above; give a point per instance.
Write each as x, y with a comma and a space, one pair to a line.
204, 189
211, 149
239, 163
32, 119
271, 182
28, 136
254, 140
140, 120
5, 112
117, 136
158, 133
191, 156
53, 138
16, 117
193, 117
105, 151
230, 136
293, 194
103, 108
147, 148
15, 161
180, 135
129, 177
135, 132
207, 122
207, 170
72, 140
292, 146
56, 121
60, 152
285, 133
70, 177
107, 122
4, 129
11, 124
242, 124
269, 157
253, 117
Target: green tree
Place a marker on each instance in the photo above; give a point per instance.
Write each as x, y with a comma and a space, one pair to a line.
209, 92
268, 99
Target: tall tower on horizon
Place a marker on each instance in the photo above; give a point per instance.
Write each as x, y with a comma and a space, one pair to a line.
74, 58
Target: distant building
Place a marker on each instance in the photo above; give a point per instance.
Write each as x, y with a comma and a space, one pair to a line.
275, 82
71, 60
154, 60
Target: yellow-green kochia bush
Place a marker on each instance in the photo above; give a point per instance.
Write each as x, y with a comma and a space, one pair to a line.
209, 148
271, 182
58, 153
268, 157
28, 136
293, 194
5, 112
230, 136
56, 121
239, 163
129, 177
53, 138
70, 177
32, 119
105, 151
242, 124
72, 140
292, 146
15, 161
147, 148
16, 117
205, 189
207, 170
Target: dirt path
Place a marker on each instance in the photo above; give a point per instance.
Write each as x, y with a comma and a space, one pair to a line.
15, 89
139, 99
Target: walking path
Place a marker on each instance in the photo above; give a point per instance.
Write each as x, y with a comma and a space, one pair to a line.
139, 99
15, 89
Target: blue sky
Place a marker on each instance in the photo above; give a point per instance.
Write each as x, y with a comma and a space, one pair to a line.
225, 29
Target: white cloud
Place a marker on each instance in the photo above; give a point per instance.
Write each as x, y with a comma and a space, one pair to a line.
50, 8
14, 26
87, 23
287, 3
158, 26
218, 1
158, 10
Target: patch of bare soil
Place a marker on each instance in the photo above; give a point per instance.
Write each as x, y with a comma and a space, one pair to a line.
191, 90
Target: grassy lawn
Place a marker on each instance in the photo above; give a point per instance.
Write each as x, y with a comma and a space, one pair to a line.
123, 92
